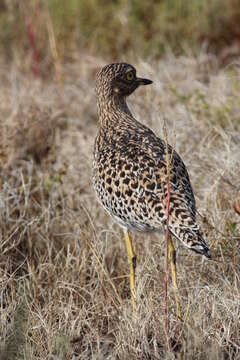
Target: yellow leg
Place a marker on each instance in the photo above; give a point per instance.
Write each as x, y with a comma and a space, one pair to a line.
172, 257
132, 265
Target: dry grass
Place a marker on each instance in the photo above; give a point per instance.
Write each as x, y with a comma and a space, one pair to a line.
144, 28
64, 286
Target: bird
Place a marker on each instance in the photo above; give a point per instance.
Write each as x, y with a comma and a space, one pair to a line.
134, 171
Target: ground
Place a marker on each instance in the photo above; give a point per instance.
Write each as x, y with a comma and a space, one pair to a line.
63, 264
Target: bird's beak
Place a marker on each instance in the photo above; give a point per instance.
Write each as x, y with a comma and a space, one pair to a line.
141, 81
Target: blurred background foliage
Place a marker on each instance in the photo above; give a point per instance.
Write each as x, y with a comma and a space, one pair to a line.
119, 27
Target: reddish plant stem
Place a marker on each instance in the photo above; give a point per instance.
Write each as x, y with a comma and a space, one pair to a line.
31, 37
166, 267
35, 54
236, 206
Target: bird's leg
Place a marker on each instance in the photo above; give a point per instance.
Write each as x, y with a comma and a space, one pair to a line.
132, 265
172, 257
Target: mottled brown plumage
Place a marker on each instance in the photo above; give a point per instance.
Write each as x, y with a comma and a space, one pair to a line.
130, 167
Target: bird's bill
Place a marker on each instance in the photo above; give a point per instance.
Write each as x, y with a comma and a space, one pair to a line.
142, 81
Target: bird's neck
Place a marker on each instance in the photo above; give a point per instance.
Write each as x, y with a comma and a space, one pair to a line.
112, 109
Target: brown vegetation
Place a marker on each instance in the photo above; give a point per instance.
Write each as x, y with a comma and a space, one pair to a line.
111, 28
63, 266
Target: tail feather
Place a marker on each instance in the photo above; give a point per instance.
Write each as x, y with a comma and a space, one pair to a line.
192, 239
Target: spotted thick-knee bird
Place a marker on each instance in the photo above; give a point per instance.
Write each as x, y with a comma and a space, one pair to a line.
130, 169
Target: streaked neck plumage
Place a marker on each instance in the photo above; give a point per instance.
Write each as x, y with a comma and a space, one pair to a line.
111, 104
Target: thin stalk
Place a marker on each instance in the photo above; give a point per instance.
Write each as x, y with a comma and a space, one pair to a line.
31, 37
54, 51
166, 312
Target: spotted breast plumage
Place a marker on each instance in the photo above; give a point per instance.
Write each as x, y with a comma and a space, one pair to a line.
130, 174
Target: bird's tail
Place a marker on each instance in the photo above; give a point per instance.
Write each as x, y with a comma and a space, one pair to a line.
193, 239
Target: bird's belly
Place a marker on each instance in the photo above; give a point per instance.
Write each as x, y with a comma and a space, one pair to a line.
129, 222
119, 208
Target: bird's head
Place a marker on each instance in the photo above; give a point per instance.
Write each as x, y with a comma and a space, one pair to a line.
118, 80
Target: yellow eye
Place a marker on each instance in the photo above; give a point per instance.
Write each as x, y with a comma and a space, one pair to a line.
129, 76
